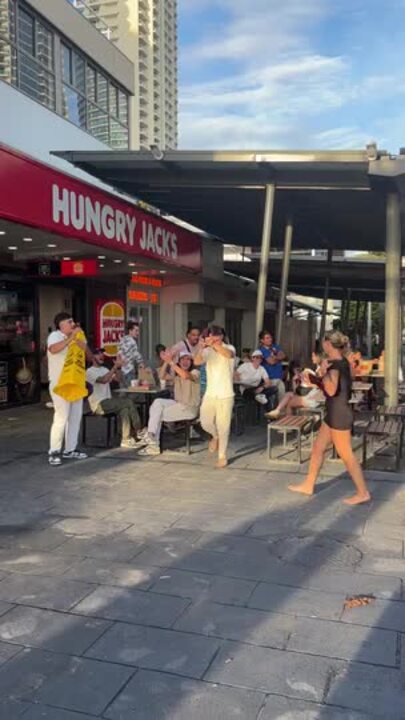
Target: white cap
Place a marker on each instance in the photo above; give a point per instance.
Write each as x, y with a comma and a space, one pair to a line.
184, 354
257, 353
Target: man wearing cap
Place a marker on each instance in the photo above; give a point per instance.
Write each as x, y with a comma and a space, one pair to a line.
102, 402
186, 403
254, 380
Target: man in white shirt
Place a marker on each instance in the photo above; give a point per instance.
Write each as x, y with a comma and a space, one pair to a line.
254, 380
128, 351
217, 405
102, 402
67, 415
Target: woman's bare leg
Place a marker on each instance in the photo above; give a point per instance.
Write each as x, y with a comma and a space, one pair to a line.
317, 456
342, 441
288, 402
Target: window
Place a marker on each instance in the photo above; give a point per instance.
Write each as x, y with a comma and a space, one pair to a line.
26, 52
88, 97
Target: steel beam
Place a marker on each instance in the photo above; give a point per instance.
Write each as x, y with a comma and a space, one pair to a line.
284, 278
392, 298
264, 256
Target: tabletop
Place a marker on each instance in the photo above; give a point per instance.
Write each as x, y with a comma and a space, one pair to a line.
361, 386
139, 390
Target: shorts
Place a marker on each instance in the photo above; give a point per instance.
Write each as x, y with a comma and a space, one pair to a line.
313, 399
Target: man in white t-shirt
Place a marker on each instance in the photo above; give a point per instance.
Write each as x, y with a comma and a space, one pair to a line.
67, 415
254, 380
217, 405
102, 402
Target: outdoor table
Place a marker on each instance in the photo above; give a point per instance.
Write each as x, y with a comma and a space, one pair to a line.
363, 387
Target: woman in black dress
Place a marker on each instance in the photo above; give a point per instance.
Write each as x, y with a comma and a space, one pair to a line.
336, 429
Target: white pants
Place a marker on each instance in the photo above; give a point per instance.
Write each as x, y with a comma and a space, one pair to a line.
216, 418
66, 423
279, 384
163, 410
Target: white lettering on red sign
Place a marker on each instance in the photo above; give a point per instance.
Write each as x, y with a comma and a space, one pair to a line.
158, 240
81, 212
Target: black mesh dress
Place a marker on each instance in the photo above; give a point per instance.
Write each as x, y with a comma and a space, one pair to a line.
339, 414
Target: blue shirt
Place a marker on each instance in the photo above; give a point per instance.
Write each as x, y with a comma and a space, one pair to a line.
275, 372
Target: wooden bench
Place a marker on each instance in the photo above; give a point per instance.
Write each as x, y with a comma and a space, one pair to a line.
396, 411
286, 424
392, 429
111, 424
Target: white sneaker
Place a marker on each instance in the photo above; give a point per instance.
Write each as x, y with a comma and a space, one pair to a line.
54, 459
150, 449
261, 398
132, 443
74, 455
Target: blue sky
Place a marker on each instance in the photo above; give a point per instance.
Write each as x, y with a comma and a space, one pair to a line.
292, 73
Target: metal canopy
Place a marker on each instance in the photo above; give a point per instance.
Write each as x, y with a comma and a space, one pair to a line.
336, 198
365, 280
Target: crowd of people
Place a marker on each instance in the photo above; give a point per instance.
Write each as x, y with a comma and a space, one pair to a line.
203, 372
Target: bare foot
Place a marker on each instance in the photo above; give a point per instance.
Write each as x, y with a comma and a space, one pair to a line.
302, 488
357, 499
221, 463
273, 414
213, 445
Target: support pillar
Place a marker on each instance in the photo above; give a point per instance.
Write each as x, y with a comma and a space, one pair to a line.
369, 329
392, 298
264, 257
284, 279
325, 296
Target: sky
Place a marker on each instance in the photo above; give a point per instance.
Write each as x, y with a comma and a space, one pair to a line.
291, 74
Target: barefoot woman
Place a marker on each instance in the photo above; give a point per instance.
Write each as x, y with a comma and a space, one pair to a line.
336, 381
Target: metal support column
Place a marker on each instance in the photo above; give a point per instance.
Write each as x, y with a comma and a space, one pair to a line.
392, 298
284, 279
369, 329
326, 296
264, 257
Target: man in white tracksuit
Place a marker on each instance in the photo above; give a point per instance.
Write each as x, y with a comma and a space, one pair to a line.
217, 405
67, 415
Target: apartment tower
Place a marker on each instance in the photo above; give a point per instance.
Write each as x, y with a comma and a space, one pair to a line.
146, 31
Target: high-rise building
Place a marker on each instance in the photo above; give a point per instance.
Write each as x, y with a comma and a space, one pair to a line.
146, 31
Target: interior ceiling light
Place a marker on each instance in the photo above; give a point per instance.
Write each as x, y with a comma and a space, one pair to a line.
27, 239
101, 265
101, 257
131, 264
118, 261
135, 272
12, 247
66, 258
51, 245
162, 272
2, 232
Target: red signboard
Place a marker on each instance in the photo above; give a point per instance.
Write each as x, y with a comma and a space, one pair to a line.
37, 195
78, 268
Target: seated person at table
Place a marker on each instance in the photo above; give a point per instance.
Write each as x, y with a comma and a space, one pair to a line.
304, 394
254, 380
102, 402
273, 357
186, 403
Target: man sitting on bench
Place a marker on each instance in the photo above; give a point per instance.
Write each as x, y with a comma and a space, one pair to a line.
101, 401
186, 403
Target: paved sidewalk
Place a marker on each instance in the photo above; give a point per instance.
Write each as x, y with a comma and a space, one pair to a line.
162, 589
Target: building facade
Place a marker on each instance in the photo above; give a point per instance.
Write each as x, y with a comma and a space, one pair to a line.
146, 31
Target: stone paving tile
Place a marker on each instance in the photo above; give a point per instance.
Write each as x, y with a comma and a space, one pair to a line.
89, 527
235, 544
155, 696
133, 606
7, 651
354, 583
232, 623
156, 649
297, 601
333, 640
37, 591
34, 563
380, 614
114, 547
217, 522
48, 539
275, 671
383, 566
181, 558
41, 712
50, 630
62, 681
198, 586
11, 710
387, 530
112, 573
279, 708
378, 692
380, 546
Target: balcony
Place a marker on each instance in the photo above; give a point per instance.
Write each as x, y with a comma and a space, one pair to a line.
84, 9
